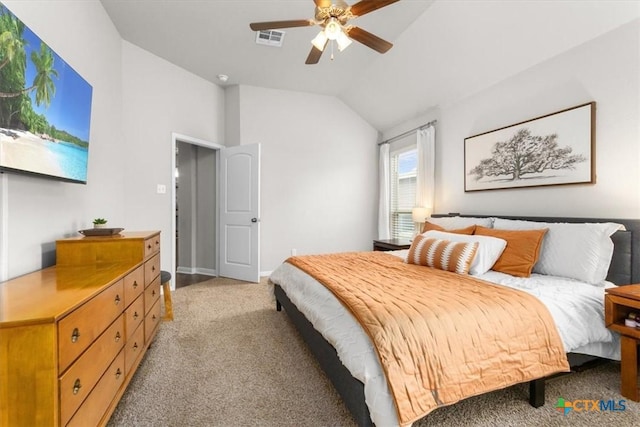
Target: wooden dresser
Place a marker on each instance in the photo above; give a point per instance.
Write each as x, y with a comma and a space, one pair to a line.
72, 335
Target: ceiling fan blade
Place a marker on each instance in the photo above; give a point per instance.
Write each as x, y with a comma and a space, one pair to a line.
315, 54
366, 6
322, 3
259, 26
368, 39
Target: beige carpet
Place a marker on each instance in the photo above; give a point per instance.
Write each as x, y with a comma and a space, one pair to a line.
230, 359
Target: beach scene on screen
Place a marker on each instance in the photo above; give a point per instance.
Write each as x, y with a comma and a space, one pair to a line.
45, 107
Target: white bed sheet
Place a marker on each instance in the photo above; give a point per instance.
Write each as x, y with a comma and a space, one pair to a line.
577, 309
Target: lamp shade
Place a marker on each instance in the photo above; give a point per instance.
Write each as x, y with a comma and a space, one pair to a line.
343, 41
419, 214
320, 41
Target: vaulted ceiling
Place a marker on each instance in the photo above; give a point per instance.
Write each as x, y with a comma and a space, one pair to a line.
444, 50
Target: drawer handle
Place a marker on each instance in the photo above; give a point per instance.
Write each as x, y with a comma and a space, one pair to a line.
153, 317
75, 335
77, 386
118, 336
153, 268
157, 243
135, 315
135, 284
135, 345
153, 293
117, 300
118, 373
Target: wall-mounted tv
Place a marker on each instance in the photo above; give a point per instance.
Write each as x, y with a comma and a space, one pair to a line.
45, 107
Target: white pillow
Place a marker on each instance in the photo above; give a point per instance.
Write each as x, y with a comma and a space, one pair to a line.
456, 222
488, 252
579, 251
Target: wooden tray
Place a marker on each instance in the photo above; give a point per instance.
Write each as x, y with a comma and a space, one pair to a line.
100, 231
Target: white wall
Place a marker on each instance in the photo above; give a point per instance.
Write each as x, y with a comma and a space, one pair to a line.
604, 70
458, 48
186, 207
232, 115
319, 173
160, 98
206, 218
38, 211
138, 100
319, 158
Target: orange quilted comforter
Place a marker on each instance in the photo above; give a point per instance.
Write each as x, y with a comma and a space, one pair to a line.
440, 336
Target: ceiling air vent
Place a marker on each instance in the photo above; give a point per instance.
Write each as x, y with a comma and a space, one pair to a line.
270, 37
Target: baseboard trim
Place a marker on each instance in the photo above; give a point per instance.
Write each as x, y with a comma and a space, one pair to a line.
203, 271
211, 272
207, 272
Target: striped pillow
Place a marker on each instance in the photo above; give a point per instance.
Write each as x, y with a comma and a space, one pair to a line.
442, 254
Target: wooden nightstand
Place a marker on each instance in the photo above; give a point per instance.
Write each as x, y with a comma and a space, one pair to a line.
618, 303
391, 244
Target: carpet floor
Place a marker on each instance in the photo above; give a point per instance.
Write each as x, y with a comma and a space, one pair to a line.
230, 359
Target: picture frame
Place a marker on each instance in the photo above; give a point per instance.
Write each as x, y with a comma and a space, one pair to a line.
554, 149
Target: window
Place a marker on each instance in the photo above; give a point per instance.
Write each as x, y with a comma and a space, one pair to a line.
404, 168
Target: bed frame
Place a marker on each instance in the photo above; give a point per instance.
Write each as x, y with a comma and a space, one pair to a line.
624, 270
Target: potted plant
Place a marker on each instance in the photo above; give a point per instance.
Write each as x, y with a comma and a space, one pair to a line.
99, 223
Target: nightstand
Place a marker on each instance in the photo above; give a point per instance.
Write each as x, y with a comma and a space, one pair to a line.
618, 303
391, 244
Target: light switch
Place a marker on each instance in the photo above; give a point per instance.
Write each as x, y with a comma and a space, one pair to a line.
162, 189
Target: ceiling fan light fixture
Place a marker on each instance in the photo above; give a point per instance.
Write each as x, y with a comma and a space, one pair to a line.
333, 29
333, 17
320, 41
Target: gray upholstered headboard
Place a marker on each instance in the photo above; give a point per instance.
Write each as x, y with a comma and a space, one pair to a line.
625, 263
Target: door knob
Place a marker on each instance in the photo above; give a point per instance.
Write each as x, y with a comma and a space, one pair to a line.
255, 220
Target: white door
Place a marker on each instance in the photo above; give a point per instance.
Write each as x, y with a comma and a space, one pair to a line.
240, 212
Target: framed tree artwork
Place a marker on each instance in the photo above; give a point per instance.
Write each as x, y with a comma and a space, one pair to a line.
555, 149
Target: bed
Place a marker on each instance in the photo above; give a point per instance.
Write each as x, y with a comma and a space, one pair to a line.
364, 387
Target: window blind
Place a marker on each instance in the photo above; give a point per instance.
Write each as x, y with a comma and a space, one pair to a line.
403, 192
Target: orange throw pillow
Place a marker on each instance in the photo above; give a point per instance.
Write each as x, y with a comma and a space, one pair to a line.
442, 254
428, 226
522, 251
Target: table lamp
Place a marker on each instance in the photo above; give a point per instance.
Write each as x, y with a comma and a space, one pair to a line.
419, 215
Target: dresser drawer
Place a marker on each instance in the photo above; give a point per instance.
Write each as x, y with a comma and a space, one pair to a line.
151, 269
80, 328
134, 348
151, 245
133, 285
98, 401
134, 315
80, 378
151, 322
151, 294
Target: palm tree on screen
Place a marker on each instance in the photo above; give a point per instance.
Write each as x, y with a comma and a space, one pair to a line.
13, 66
43, 81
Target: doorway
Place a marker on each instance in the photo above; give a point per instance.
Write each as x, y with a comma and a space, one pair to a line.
195, 204
233, 248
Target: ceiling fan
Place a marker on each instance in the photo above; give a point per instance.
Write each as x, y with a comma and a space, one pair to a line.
333, 17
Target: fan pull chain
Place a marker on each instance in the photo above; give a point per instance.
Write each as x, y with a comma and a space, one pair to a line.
332, 50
